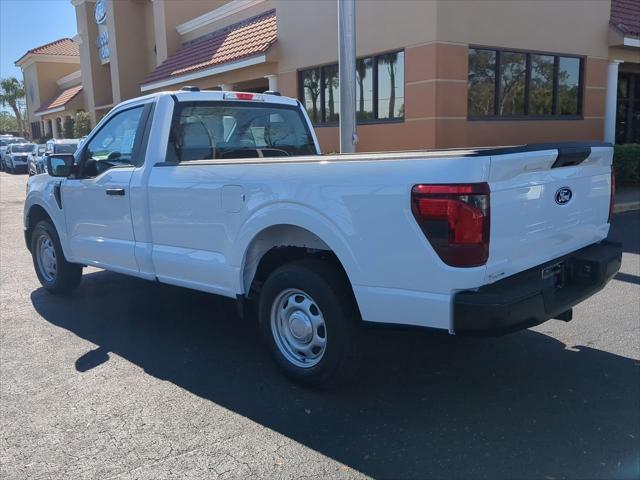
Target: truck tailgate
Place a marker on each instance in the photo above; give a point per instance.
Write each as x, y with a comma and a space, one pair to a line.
546, 203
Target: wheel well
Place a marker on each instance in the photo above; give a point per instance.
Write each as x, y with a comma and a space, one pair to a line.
280, 244
36, 213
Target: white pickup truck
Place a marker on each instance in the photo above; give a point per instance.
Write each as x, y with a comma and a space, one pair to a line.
227, 193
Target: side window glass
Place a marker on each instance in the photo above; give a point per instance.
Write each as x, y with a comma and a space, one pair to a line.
113, 145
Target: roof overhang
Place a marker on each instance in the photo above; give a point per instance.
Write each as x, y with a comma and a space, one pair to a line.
31, 58
59, 102
631, 42
218, 69
617, 38
51, 110
217, 14
73, 78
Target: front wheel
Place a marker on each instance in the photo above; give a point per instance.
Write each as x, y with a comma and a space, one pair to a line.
54, 272
309, 320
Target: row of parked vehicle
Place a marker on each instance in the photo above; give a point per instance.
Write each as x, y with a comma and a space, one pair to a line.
17, 155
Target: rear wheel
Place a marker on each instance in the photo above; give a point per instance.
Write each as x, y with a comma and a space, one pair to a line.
309, 320
54, 272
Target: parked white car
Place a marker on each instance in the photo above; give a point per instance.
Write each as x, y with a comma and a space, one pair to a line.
36, 159
226, 193
5, 141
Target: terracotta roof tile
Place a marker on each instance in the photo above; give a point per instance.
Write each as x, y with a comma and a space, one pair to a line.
61, 99
236, 42
625, 16
63, 47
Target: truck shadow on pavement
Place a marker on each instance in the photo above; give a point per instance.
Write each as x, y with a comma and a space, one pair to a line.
423, 405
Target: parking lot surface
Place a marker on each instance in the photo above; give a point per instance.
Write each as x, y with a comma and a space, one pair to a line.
132, 379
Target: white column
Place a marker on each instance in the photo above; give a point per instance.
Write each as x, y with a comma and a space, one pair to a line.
273, 82
226, 87
611, 102
54, 128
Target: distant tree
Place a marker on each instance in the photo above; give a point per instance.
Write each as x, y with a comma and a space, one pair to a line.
68, 127
12, 94
8, 123
82, 125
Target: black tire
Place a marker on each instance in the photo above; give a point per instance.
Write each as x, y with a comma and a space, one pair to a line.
67, 275
327, 287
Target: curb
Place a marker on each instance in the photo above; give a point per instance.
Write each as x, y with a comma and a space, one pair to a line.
626, 207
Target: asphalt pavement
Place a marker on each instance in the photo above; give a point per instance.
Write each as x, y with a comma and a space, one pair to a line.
131, 379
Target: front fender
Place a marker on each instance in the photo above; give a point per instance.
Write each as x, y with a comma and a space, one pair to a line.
41, 193
299, 216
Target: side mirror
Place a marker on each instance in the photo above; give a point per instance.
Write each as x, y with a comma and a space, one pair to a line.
59, 165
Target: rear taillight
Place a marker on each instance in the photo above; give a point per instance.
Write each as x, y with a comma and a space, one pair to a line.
612, 201
455, 220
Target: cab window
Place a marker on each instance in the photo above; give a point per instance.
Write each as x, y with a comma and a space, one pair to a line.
237, 130
113, 145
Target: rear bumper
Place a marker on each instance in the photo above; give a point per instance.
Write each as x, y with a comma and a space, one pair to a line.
527, 299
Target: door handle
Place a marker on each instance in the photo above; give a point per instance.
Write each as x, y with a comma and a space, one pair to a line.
118, 192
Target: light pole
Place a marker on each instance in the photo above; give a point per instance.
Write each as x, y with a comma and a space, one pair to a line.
347, 74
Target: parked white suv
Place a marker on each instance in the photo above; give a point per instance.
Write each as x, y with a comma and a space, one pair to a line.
227, 193
16, 157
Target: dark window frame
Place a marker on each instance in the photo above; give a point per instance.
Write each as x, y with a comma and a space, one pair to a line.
374, 86
554, 102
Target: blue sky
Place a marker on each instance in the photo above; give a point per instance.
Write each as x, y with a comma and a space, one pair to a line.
25, 24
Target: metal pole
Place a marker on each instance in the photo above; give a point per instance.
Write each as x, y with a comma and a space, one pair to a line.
347, 74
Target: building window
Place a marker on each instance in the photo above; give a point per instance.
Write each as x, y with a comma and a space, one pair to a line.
482, 82
379, 90
331, 90
511, 84
541, 85
364, 89
310, 83
513, 70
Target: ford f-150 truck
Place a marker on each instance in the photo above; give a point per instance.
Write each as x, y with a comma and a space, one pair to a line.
227, 193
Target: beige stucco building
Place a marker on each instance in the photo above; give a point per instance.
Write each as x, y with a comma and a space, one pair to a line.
431, 74
53, 86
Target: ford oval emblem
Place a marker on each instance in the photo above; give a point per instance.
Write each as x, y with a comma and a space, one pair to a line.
563, 195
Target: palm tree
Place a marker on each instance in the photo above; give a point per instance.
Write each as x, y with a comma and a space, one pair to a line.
12, 93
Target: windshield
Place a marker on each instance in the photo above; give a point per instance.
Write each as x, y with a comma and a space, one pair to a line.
65, 148
42, 149
22, 148
213, 130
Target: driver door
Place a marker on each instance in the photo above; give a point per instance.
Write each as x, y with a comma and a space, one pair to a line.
97, 201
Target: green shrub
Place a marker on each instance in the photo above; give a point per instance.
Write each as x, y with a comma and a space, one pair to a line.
626, 161
83, 124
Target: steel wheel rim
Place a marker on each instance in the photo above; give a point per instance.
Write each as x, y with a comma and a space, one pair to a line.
46, 256
298, 328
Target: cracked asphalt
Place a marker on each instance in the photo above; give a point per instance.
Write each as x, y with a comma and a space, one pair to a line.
127, 379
